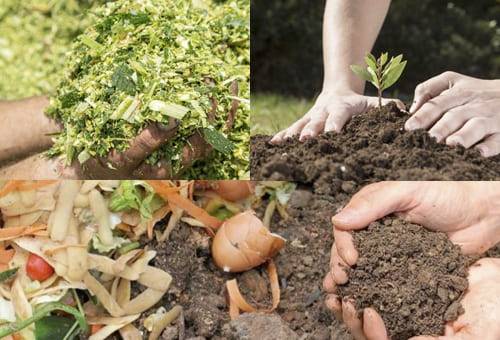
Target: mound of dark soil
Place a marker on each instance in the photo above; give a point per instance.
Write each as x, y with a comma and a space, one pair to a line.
413, 277
372, 146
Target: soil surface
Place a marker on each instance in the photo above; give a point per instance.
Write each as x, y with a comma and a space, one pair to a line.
372, 146
413, 277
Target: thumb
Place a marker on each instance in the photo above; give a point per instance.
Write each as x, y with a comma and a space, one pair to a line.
374, 202
148, 141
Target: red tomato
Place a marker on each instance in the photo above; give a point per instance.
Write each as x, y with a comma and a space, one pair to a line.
38, 269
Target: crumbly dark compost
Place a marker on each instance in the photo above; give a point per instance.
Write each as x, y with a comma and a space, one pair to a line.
413, 277
372, 146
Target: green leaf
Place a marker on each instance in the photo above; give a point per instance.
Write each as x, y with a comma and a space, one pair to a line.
375, 80
122, 79
7, 274
371, 61
53, 327
39, 314
218, 141
92, 44
383, 58
362, 73
135, 195
392, 63
393, 75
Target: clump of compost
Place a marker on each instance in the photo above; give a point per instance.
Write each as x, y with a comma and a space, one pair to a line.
148, 61
372, 146
413, 277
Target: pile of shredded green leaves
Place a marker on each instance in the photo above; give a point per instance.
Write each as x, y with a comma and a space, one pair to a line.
35, 35
150, 60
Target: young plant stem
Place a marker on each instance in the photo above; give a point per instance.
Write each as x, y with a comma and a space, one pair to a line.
379, 87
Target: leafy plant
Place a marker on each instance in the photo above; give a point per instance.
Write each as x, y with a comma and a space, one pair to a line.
380, 73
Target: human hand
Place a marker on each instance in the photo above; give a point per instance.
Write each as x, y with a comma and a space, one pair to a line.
480, 320
458, 109
130, 164
330, 112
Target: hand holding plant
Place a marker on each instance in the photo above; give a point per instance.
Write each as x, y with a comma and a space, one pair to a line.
380, 73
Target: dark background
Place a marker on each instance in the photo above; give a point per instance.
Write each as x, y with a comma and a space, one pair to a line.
434, 35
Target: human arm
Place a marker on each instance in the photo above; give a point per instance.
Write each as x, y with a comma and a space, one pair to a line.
350, 28
25, 128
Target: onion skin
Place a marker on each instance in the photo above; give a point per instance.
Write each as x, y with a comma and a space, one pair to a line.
243, 243
233, 190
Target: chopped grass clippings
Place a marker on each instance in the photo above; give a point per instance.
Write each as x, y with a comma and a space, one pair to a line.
146, 61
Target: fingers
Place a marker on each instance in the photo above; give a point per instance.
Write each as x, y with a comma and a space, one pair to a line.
334, 304
148, 141
473, 131
352, 321
337, 266
196, 149
432, 88
329, 284
424, 337
374, 202
294, 130
451, 121
163, 170
338, 117
490, 146
373, 325
315, 125
345, 246
433, 109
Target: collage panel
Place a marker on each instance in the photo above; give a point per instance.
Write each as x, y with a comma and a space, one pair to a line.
375, 90
130, 259
100, 89
145, 193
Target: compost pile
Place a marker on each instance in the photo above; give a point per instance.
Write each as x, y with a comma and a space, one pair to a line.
372, 146
35, 36
413, 277
151, 61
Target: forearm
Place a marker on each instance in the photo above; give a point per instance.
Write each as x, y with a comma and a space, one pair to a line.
36, 167
350, 29
24, 128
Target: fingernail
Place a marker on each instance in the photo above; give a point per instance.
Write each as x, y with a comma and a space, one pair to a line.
345, 216
411, 124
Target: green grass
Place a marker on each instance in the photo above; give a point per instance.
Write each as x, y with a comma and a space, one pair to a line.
271, 113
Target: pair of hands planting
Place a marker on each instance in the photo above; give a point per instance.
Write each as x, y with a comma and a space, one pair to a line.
35, 137
455, 109
468, 212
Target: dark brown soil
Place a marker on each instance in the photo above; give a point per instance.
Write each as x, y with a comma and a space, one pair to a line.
413, 277
372, 146
199, 286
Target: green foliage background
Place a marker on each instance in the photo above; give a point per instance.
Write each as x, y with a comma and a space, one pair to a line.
434, 35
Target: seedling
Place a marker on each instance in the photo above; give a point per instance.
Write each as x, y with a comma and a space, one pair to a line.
380, 73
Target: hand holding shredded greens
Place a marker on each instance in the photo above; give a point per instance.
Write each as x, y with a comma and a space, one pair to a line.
147, 61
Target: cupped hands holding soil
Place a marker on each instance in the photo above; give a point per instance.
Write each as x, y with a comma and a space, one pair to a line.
393, 278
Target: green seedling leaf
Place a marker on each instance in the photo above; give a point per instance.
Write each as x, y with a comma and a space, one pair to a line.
371, 61
7, 274
218, 141
362, 73
392, 63
383, 59
375, 80
393, 75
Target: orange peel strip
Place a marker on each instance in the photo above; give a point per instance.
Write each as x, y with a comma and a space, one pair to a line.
14, 232
35, 185
237, 302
